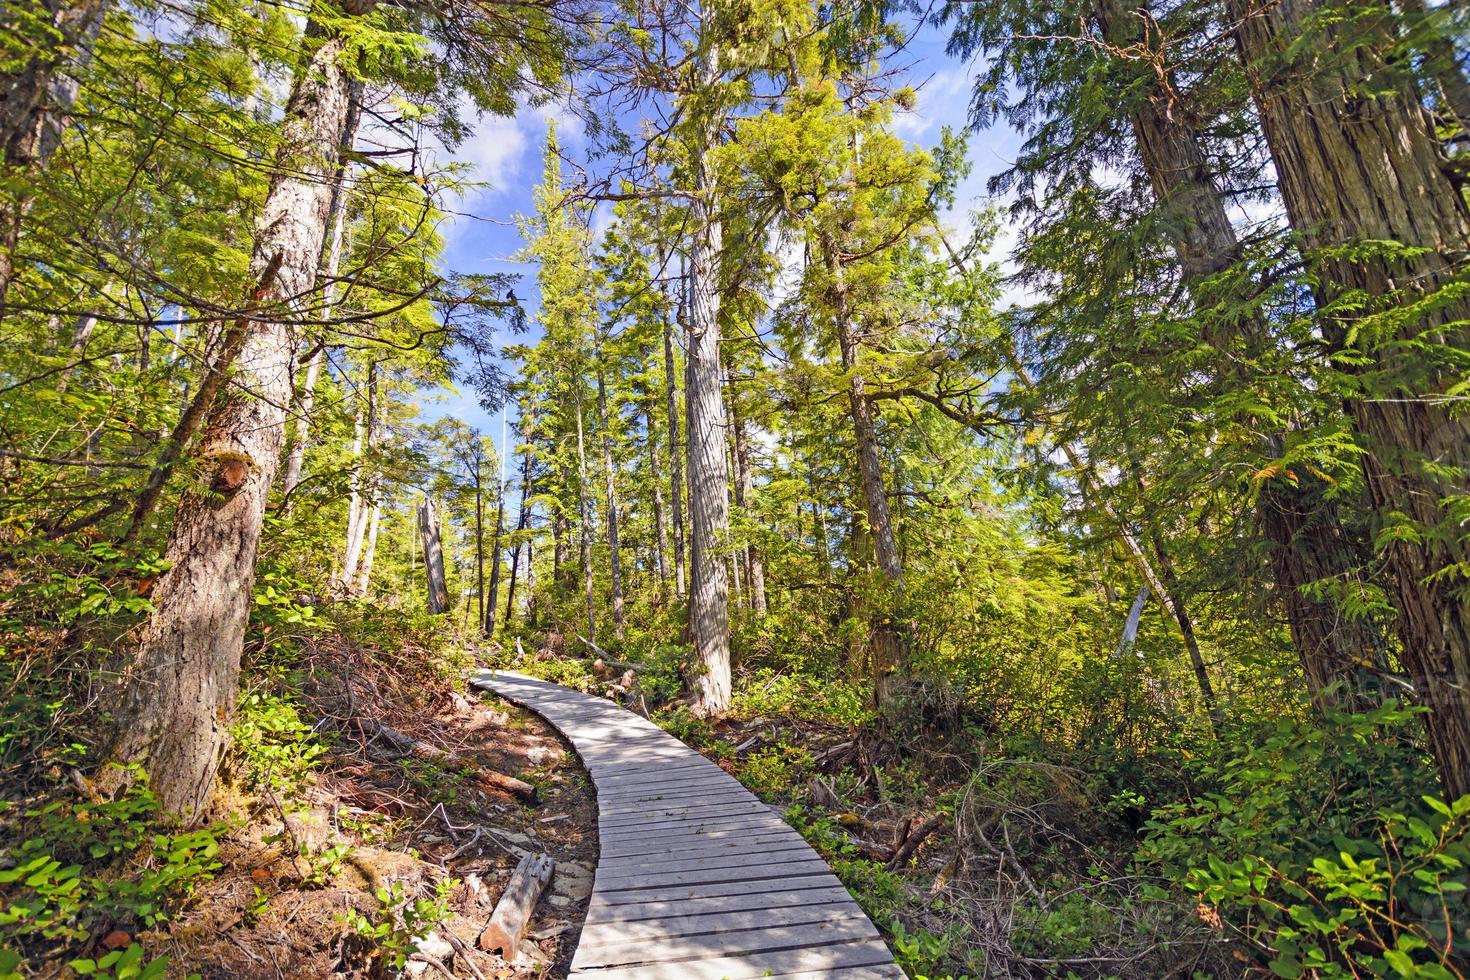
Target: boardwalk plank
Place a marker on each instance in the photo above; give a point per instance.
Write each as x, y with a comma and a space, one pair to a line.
697, 879
718, 944
825, 957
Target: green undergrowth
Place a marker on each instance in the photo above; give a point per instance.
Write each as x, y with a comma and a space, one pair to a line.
82, 868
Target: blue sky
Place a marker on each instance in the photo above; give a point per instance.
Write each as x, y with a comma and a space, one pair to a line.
506, 154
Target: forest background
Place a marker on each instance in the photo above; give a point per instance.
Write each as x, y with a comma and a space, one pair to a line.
1101, 536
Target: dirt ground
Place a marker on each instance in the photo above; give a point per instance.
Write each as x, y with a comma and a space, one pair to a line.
378, 824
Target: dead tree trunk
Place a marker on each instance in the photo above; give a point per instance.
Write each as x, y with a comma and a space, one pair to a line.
433, 557
180, 693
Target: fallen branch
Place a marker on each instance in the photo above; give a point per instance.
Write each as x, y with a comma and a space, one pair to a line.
513, 912
605, 659
911, 841
408, 745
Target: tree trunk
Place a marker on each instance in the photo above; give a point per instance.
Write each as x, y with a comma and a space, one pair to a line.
660, 517
480, 554
331, 263
584, 529
1357, 162
609, 477
1307, 542
438, 588
364, 575
180, 693
709, 483
357, 506
889, 659
676, 474
755, 569
522, 521
489, 619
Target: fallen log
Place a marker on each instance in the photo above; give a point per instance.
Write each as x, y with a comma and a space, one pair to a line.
408, 745
512, 915
605, 659
519, 788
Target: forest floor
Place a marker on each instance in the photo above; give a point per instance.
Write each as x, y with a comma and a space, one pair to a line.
333, 883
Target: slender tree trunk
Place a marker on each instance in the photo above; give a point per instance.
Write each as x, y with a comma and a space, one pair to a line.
889, 659
1307, 541
1357, 162
755, 569
709, 483
676, 473
357, 506
522, 521
584, 530
489, 619
305, 399
180, 693
438, 588
660, 518
609, 476
480, 558
364, 576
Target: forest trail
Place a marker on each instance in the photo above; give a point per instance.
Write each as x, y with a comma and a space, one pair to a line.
696, 878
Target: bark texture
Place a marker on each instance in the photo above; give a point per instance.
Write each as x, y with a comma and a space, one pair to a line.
433, 557
1357, 161
1307, 542
305, 399
709, 481
179, 696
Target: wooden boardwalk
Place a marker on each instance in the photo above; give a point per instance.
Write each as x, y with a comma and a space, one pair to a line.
697, 879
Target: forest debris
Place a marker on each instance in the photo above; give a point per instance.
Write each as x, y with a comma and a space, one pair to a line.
408, 745
912, 838
750, 743
513, 912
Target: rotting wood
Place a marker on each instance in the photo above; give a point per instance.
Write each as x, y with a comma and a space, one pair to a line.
512, 914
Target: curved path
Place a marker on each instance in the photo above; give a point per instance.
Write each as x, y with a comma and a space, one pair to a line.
697, 879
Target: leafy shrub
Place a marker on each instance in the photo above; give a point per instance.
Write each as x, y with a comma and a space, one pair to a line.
89, 862
802, 697
774, 771
1309, 849
1394, 906
272, 746
385, 941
